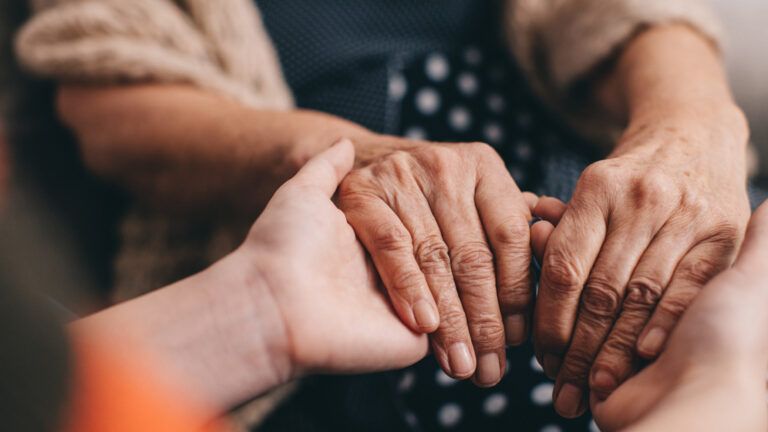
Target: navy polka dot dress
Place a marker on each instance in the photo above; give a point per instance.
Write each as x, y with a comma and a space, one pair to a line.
439, 71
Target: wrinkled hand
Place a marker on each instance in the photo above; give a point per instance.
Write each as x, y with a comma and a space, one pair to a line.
644, 231
335, 317
711, 376
447, 229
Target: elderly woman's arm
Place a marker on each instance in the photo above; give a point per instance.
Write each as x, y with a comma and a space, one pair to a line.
191, 150
648, 226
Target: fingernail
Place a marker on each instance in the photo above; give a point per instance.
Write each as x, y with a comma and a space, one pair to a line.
604, 381
514, 326
425, 315
551, 365
488, 369
653, 341
460, 360
568, 402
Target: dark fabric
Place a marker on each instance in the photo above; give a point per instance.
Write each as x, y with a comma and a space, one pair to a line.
337, 54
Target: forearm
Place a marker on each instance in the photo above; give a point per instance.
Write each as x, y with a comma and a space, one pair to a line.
673, 74
216, 337
190, 149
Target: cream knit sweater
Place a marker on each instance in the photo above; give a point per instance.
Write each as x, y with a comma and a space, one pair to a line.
222, 46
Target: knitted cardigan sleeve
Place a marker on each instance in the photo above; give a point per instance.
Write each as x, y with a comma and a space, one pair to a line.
558, 43
220, 46
223, 45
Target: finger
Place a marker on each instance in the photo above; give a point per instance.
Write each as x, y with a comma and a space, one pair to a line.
472, 266
628, 236
505, 216
701, 264
531, 199
391, 248
550, 209
617, 360
451, 342
540, 233
571, 251
326, 170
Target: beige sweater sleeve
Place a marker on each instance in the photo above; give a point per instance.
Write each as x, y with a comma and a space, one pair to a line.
560, 42
116, 41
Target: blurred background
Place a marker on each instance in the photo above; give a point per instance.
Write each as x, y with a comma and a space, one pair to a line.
747, 55
69, 203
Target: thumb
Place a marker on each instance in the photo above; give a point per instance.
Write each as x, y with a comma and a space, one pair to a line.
326, 170
754, 251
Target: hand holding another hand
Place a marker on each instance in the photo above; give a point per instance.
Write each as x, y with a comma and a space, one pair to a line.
447, 228
335, 317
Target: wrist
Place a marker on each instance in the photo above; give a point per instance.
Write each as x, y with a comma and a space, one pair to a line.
249, 321
702, 125
215, 336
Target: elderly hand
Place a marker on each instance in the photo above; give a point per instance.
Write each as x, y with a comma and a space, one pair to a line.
645, 230
711, 376
334, 316
447, 229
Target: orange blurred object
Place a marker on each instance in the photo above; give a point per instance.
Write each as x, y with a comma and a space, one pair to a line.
113, 394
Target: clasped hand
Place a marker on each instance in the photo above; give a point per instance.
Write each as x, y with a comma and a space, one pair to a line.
448, 231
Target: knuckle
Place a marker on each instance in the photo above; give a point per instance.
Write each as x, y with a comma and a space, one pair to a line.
577, 364
481, 149
397, 165
407, 284
643, 292
620, 346
453, 321
439, 160
598, 172
389, 237
702, 270
472, 261
650, 190
560, 274
694, 204
516, 298
674, 306
513, 234
725, 236
486, 332
432, 255
601, 300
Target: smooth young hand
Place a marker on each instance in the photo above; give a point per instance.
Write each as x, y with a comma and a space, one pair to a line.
335, 316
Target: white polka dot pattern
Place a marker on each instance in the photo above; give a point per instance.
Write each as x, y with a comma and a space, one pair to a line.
398, 87
449, 415
437, 67
428, 101
460, 119
467, 83
495, 404
541, 395
406, 382
442, 379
